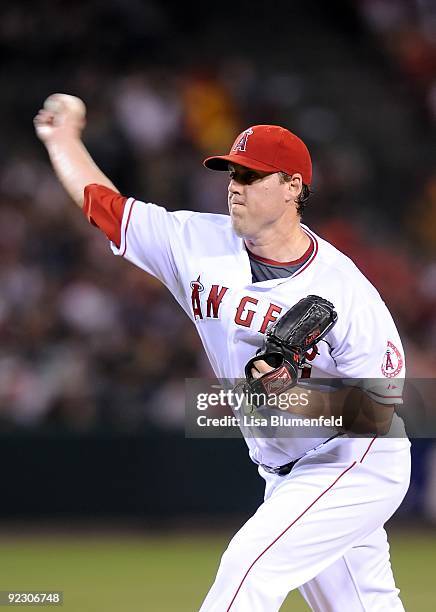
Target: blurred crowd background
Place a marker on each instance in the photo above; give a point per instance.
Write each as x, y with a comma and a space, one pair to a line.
88, 342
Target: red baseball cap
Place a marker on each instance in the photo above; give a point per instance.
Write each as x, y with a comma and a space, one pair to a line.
268, 148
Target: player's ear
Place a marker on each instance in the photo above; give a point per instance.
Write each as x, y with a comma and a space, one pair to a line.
294, 187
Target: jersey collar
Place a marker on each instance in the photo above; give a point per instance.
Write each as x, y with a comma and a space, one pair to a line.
278, 281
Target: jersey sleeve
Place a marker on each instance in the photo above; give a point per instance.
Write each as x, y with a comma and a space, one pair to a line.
370, 354
104, 208
146, 234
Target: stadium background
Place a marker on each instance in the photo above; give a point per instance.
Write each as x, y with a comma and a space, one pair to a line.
102, 496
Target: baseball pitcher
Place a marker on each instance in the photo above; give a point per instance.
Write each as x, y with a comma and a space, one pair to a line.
274, 303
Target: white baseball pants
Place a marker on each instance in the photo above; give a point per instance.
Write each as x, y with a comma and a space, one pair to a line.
320, 529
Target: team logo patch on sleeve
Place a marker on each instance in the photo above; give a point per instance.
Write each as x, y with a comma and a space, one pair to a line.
392, 361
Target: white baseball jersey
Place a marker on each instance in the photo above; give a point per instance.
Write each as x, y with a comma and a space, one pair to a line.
320, 527
206, 267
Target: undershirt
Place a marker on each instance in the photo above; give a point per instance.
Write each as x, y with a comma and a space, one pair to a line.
267, 269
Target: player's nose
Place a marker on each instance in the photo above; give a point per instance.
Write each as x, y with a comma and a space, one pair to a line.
234, 186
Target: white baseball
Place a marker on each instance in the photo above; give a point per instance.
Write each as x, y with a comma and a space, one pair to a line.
56, 103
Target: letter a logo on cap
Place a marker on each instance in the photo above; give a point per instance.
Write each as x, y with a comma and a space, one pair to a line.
241, 145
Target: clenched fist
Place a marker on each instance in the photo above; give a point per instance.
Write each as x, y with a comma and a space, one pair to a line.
61, 115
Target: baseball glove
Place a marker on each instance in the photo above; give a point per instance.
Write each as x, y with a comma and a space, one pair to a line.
286, 343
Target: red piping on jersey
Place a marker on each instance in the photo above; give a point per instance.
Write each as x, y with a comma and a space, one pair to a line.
297, 519
287, 529
125, 229
315, 251
384, 396
367, 450
272, 262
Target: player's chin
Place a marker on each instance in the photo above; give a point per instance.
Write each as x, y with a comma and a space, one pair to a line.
238, 226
